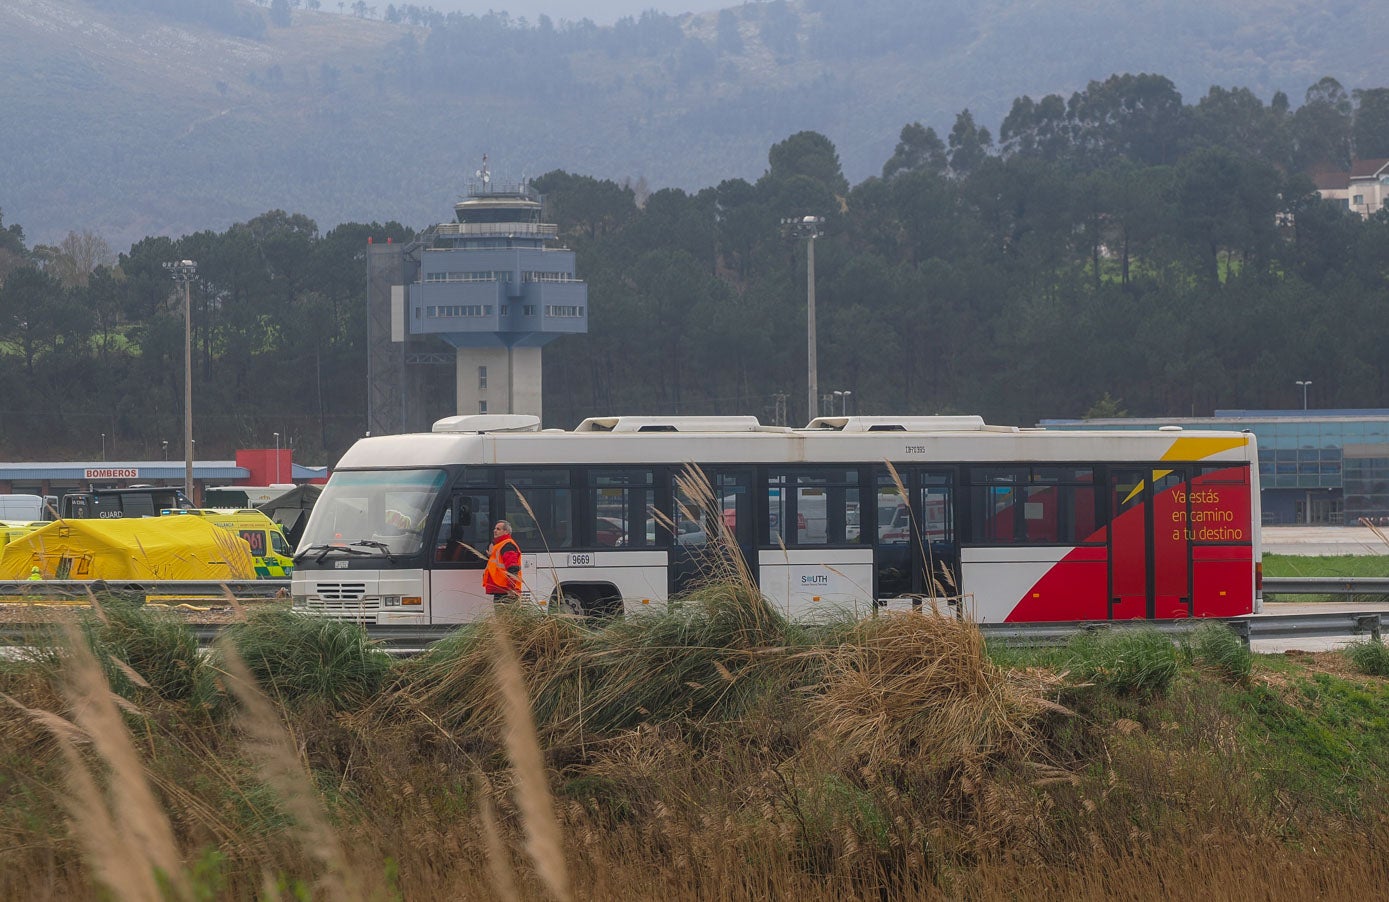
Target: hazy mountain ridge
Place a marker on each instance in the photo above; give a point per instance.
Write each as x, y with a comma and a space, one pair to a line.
128, 122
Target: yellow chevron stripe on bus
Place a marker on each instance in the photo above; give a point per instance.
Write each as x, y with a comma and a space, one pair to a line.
1192, 448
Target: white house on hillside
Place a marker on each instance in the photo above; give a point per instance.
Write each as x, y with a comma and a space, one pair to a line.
1365, 189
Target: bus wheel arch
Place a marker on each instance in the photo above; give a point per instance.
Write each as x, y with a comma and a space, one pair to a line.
595, 599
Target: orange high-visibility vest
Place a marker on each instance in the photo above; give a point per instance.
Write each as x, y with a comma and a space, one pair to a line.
495, 579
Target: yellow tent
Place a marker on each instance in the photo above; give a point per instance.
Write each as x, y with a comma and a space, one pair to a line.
12, 529
136, 548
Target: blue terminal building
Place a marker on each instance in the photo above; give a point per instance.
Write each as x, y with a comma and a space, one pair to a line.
489, 287
1319, 467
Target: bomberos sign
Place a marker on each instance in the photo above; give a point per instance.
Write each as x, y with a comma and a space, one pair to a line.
111, 473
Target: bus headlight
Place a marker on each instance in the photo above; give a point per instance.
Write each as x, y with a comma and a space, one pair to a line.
395, 601
390, 601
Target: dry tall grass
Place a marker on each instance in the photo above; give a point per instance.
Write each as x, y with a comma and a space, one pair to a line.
123, 829
268, 742
714, 751
543, 837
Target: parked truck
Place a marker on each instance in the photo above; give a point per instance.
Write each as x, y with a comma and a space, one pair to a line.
120, 504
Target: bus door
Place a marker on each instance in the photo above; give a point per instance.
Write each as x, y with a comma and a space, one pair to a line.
916, 553
461, 545
1149, 544
704, 516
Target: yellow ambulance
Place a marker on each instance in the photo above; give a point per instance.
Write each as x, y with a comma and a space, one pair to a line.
270, 551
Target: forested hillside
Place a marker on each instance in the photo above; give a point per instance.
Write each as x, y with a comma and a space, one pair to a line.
134, 118
1116, 249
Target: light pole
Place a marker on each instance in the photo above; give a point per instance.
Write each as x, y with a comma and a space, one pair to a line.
185, 271
277, 457
103, 447
1304, 391
165, 443
843, 397
809, 226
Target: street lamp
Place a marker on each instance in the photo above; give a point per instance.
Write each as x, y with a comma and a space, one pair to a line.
277, 457
809, 226
103, 446
843, 397
1304, 391
185, 271
165, 443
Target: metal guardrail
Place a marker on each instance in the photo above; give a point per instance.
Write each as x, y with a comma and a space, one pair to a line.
401, 639
1369, 624
413, 639
394, 639
1331, 625
61, 589
1326, 585
25, 633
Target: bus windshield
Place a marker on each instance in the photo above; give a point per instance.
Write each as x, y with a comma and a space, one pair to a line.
385, 510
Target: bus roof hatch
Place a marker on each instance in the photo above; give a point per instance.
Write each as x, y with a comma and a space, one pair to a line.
489, 422
669, 424
899, 424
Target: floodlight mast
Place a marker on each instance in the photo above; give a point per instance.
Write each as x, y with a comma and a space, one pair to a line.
186, 271
809, 226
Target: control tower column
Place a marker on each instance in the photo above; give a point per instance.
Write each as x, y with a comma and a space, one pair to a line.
499, 380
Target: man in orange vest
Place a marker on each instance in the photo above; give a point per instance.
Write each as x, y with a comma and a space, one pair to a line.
502, 577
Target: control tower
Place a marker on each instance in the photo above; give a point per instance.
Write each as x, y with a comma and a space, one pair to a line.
489, 286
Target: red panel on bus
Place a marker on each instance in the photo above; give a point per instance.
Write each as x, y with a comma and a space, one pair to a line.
1171, 554
1215, 536
1075, 588
1222, 552
1129, 582
1130, 557
1220, 508
1223, 580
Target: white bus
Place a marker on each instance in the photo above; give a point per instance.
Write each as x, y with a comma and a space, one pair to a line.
1011, 524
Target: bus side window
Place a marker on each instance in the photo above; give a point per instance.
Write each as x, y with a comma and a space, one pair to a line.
688, 517
538, 502
621, 502
465, 531
449, 533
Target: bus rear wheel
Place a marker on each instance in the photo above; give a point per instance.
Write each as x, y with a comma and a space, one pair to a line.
591, 600
569, 604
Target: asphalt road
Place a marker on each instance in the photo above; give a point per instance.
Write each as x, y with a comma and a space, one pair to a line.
1317, 540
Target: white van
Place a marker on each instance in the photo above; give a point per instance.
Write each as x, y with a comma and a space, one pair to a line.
27, 508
